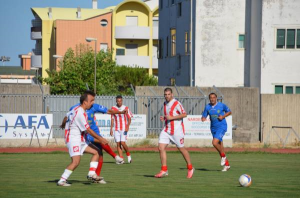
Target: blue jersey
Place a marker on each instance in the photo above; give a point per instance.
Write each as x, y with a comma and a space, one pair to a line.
214, 112
96, 108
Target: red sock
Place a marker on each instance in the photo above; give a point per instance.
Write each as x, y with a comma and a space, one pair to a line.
164, 168
99, 167
189, 166
222, 155
128, 154
121, 157
108, 150
226, 162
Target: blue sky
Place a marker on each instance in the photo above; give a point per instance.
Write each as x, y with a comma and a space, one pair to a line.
16, 16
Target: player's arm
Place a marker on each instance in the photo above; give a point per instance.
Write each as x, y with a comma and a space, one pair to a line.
111, 126
96, 136
63, 124
227, 112
129, 122
113, 112
204, 114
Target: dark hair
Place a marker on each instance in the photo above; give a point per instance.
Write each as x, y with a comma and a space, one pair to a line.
119, 97
63, 124
212, 94
168, 89
84, 96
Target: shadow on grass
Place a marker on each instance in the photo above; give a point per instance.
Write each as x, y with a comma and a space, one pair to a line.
69, 181
200, 169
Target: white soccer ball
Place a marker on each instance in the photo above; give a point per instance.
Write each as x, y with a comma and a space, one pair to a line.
245, 180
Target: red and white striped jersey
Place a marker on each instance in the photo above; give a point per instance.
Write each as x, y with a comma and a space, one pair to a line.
121, 120
76, 125
173, 108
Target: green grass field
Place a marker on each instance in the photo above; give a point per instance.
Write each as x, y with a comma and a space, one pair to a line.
35, 175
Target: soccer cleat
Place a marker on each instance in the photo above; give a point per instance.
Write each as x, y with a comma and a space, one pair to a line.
129, 159
161, 174
119, 160
226, 168
94, 177
101, 181
63, 183
190, 173
223, 161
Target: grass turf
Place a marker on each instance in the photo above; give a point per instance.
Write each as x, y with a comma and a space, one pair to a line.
35, 175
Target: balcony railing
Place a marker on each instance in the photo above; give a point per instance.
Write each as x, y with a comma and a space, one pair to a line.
132, 32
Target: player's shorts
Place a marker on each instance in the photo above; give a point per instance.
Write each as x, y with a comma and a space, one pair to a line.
177, 138
218, 134
120, 136
76, 148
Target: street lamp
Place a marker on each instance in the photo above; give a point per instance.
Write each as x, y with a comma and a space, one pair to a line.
90, 40
56, 57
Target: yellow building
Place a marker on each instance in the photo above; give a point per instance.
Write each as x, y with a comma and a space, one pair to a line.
135, 34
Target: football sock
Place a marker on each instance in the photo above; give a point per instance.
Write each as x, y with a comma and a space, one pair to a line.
190, 166
164, 168
99, 167
108, 149
226, 162
66, 175
222, 155
128, 154
93, 167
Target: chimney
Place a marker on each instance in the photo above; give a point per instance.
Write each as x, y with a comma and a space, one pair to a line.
50, 13
95, 4
78, 13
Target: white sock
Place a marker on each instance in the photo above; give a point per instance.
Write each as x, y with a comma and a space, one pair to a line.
66, 175
93, 167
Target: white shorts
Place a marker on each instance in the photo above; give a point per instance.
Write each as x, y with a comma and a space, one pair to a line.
76, 148
177, 138
120, 136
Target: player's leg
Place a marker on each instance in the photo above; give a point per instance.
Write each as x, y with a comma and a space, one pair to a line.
218, 144
178, 139
124, 145
100, 163
117, 136
163, 142
94, 163
75, 154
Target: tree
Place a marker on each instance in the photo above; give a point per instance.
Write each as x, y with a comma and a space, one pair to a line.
77, 69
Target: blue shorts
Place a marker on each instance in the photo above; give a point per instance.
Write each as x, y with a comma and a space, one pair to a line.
90, 139
218, 134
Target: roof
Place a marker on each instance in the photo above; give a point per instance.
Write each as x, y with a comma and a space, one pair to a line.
15, 70
68, 13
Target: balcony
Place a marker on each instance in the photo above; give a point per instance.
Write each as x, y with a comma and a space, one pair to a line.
36, 61
133, 61
36, 33
132, 32
155, 33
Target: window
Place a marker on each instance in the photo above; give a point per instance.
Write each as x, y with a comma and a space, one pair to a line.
103, 46
278, 89
186, 43
155, 21
297, 89
103, 22
172, 81
131, 49
179, 9
173, 42
288, 90
161, 4
131, 20
167, 54
288, 39
160, 49
172, 2
241, 41
120, 52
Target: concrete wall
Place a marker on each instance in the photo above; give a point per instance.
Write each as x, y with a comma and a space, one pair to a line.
23, 89
278, 66
243, 102
280, 110
218, 60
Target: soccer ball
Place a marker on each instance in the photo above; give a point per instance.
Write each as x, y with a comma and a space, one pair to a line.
245, 180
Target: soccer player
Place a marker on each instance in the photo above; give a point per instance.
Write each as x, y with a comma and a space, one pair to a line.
75, 128
121, 123
217, 112
96, 108
173, 131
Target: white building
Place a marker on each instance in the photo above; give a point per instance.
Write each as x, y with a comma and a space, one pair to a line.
234, 43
